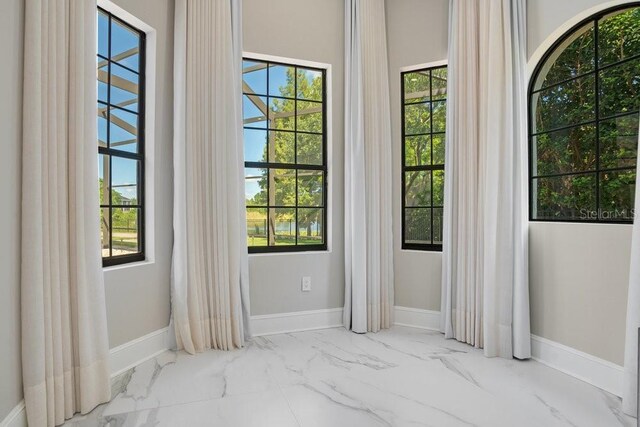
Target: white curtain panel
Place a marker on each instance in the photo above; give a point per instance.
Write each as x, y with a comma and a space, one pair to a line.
210, 278
368, 235
630, 385
65, 350
485, 290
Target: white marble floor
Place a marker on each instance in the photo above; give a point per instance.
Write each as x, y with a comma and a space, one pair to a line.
333, 378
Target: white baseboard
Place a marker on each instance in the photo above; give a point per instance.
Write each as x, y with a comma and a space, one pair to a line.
297, 321
417, 318
593, 370
16, 418
133, 353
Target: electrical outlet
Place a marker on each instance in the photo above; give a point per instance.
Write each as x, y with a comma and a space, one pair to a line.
306, 284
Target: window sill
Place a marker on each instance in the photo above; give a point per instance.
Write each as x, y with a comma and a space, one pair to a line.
422, 251
294, 253
135, 264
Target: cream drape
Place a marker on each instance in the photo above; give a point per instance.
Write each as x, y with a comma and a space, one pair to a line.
210, 298
630, 383
65, 347
368, 201
485, 262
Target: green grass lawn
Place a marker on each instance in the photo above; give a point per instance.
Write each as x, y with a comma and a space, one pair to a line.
285, 240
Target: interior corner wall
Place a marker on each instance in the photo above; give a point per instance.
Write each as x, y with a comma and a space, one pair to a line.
138, 296
417, 33
579, 273
308, 30
11, 50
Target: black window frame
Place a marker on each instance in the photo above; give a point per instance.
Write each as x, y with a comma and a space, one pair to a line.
531, 91
268, 165
139, 156
432, 247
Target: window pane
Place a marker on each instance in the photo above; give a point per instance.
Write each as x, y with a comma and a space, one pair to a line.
283, 146
124, 88
103, 35
617, 195
125, 238
124, 42
281, 81
124, 181
309, 84
281, 113
282, 187
103, 81
255, 186
123, 131
310, 188
284, 202
617, 36
439, 112
254, 77
620, 88
310, 226
104, 178
309, 149
619, 142
417, 225
438, 187
105, 240
439, 83
416, 86
255, 145
567, 104
572, 58
257, 226
437, 225
438, 149
417, 150
565, 151
417, 119
254, 111
309, 116
565, 197
102, 124
418, 188
283, 226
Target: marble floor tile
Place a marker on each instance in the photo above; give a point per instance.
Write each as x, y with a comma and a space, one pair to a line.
334, 378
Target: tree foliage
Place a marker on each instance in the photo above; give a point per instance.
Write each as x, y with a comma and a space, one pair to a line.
294, 136
566, 99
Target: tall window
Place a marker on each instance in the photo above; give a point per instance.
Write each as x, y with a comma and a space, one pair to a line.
583, 124
284, 113
120, 71
424, 106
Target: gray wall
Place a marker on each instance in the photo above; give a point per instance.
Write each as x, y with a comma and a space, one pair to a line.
579, 272
11, 34
288, 28
416, 34
138, 297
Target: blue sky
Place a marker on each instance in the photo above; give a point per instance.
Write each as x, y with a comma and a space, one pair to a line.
255, 140
122, 39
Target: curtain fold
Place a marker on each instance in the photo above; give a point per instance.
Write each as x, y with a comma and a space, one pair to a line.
210, 278
485, 290
65, 350
631, 379
368, 201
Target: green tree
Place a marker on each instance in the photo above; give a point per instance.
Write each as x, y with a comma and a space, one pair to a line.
566, 96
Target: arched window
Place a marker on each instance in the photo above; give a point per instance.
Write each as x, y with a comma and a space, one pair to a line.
584, 98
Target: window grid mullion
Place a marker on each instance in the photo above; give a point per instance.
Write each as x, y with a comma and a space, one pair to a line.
597, 108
